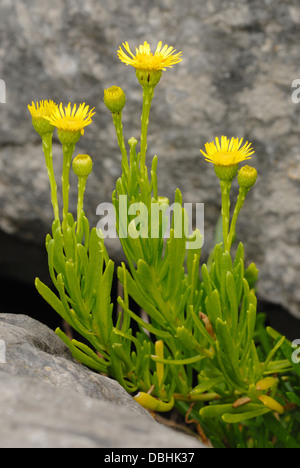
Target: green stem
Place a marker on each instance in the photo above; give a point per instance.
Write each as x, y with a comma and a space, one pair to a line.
225, 192
239, 204
47, 148
148, 94
67, 158
80, 212
117, 119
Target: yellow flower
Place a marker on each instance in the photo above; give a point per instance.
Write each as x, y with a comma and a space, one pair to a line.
227, 152
145, 60
40, 111
70, 122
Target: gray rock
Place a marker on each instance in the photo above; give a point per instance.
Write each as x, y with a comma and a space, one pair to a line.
48, 400
34, 415
240, 59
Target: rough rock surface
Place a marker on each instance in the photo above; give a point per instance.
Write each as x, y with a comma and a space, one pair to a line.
240, 59
49, 400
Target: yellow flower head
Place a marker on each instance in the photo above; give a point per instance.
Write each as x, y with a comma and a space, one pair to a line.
42, 109
145, 60
40, 112
71, 119
227, 152
70, 122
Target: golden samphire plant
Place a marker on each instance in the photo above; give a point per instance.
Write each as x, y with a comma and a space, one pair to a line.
202, 350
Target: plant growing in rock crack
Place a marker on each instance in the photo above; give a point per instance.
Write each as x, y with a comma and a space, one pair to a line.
202, 348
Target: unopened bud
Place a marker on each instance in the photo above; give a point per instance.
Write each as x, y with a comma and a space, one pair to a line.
247, 176
114, 99
162, 200
82, 165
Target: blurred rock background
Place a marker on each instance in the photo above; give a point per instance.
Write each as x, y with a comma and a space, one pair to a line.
240, 59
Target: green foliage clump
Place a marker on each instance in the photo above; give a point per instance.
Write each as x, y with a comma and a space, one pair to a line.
199, 345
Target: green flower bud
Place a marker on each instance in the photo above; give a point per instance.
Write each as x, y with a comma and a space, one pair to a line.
162, 200
82, 165
132, 142
247, 176
114, 99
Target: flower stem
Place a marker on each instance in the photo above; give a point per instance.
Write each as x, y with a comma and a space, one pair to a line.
68, 150
239, 204
80, 212
117, 119
225, 192
148, 94
47, 148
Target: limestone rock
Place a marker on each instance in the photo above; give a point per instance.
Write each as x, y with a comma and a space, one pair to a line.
48, 400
